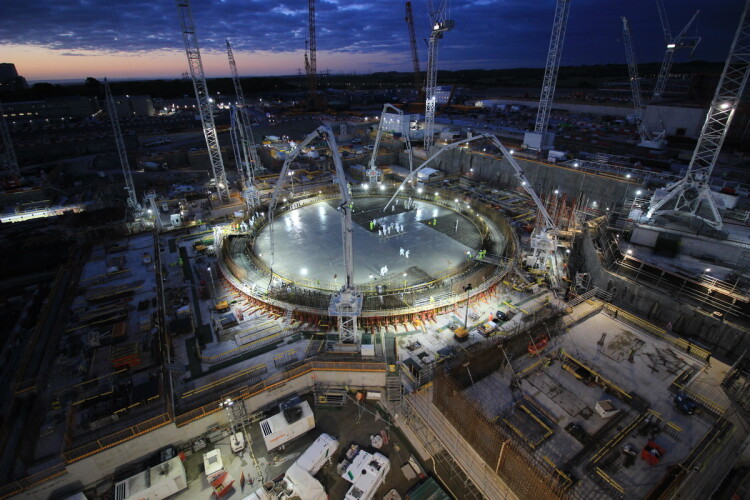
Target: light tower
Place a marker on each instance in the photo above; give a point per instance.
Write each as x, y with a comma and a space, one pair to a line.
439, 24
204, 103
540, 139
112, 111
692, 195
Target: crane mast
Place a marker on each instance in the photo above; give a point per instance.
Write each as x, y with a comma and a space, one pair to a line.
204, 104
554, 54
346, 304
647, 140
439, 24
373, 174
246, 150
414, 52
311, 54
691, 195
112, 111
10, 167
681, 41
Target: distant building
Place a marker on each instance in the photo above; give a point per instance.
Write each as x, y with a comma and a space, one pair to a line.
133, 105
53, 108
9, 78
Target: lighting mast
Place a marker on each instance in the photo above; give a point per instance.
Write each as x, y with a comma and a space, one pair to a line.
204, 102
647, 139
414, 52
10, 168
681, 41
112, 111
539, 139
242, 132
439, 24
692, 195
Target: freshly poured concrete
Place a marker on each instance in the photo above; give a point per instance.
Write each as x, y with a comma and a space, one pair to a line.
308, 245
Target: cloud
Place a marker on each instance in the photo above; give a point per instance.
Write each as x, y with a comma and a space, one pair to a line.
490, 33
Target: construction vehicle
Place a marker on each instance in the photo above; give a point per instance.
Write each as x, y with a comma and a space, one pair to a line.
685, 403
538, 344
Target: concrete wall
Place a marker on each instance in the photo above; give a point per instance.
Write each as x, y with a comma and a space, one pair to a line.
93, 469
724, 339
544, 178
671, 118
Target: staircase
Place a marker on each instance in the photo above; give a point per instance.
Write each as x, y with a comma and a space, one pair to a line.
393, 387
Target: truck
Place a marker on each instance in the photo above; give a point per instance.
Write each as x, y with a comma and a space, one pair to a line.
318, 453
294, 419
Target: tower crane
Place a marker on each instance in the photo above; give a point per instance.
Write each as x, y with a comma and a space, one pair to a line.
414, 53
129, 186
539, 139
346, 304
544, 237
373, 174
681, 41
10, 170
311, 54
692, 195
439, 24
648, 140
243, 142
204, 103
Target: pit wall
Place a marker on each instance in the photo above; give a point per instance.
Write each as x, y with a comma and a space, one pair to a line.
722, 338
544, 177
96, 467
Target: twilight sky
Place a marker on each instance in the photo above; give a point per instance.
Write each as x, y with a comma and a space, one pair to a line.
62, 39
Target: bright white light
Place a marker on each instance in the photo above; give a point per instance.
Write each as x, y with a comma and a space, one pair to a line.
512, 151
724, 105
365, 186
630, 252
404, 275
556, 191
419, 190
593, 203
455, 200
303, 271
401, 188
567, 250
523, 183
575, 164
627, 176
708, 269
382, 187
284, 200
371, 276
671, 46
638, 193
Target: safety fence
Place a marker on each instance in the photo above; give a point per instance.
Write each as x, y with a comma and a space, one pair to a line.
276, 380
14, 488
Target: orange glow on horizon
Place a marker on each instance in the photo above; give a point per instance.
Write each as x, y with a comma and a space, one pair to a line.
42, 64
